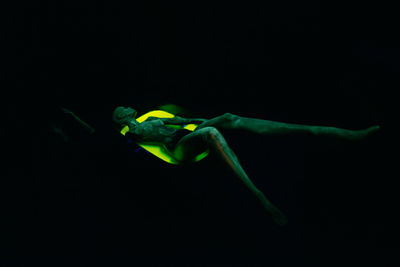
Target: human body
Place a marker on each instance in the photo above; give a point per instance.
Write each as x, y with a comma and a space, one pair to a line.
207, 135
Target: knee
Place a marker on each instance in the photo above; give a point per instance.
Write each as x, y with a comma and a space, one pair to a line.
230, 117
232, 120
210, 133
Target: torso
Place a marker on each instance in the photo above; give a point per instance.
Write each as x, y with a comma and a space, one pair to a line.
153, 131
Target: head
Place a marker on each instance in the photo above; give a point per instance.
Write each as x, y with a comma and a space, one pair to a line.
122, 115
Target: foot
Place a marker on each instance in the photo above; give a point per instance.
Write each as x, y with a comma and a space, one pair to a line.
362, 134
278, 216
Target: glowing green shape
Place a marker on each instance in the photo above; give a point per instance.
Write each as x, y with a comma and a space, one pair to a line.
160, 150
171, 108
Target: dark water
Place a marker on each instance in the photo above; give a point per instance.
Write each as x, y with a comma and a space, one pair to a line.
93, 200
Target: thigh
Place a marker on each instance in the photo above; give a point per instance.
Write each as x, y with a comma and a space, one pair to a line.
192, 145
225, 121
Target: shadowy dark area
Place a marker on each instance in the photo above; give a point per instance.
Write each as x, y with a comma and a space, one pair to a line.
74, 198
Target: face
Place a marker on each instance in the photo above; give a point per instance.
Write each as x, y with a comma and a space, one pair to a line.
124, 114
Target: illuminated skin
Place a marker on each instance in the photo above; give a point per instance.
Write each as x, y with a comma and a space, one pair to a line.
207, 135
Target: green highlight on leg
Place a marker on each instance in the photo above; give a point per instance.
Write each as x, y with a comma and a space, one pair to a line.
230, 158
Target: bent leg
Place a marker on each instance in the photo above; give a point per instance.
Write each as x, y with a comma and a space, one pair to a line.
267, 127
211, 138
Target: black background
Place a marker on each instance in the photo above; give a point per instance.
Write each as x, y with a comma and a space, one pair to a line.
95, 201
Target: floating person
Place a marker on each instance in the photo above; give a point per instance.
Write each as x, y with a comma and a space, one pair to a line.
184, 145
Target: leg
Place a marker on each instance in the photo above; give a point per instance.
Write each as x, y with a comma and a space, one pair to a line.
266, 127
194, 142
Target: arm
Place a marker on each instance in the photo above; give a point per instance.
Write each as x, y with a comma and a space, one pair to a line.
85, 125
178, 120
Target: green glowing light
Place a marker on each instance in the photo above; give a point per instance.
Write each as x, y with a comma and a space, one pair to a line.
159, 150
174, 109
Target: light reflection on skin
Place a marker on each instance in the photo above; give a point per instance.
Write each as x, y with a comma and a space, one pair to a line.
208, 135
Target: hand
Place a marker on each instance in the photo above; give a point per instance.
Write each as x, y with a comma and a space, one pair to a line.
198, 121
202, 120
279, 218
66, 111
201, 123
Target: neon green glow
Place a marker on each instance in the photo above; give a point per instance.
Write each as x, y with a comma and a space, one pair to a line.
159, 150
171, 108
